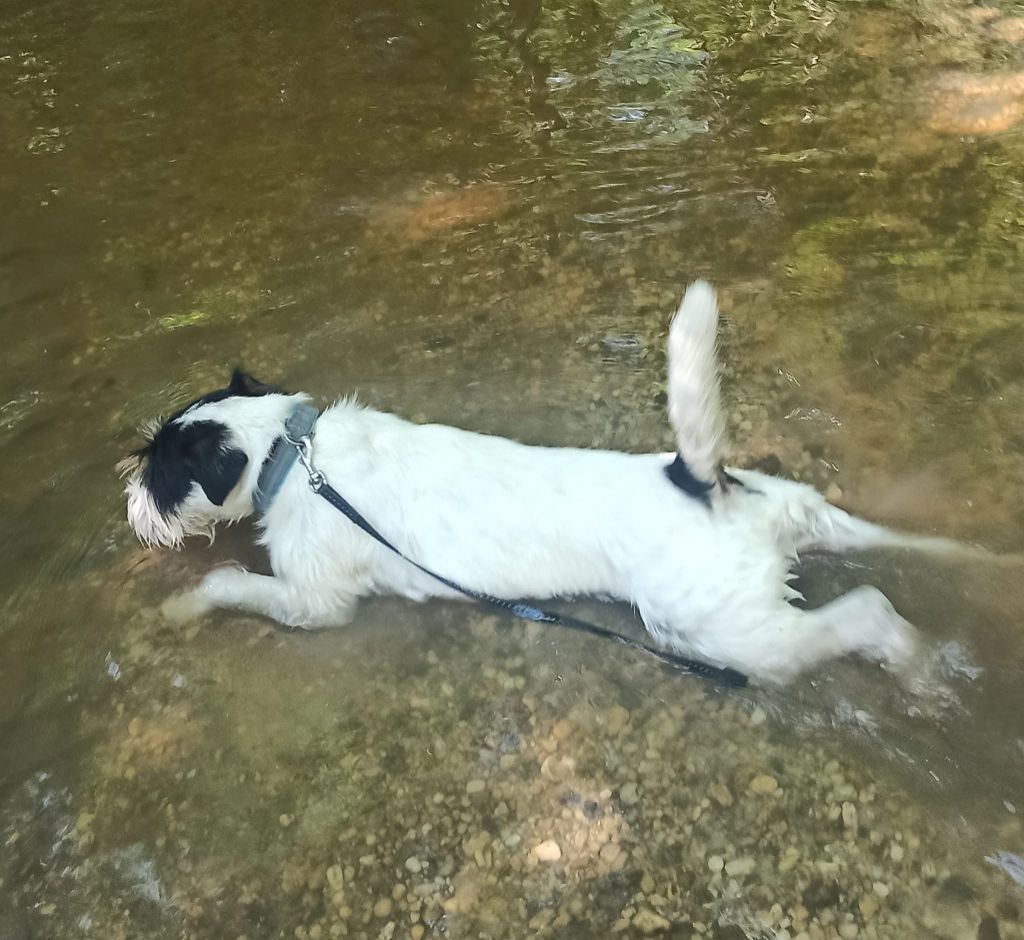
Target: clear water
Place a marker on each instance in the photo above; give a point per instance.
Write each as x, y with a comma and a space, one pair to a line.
482, 214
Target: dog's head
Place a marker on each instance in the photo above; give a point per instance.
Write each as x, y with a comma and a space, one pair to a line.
186, 477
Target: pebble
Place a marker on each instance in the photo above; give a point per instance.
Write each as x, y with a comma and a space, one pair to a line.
648, 921
382, 908
849, 815
413, 864
763, 785
616, 719
629, 795
789, 859
740, 866
868, 907
721, 794
562, 729
547, 851
716, 863
476, 786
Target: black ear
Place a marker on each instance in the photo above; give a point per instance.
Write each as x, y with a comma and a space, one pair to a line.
215, 468
244, 384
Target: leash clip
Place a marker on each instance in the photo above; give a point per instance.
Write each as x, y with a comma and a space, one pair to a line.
304, 447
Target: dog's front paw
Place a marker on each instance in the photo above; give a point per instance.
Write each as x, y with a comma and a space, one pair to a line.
185, 607
215, 590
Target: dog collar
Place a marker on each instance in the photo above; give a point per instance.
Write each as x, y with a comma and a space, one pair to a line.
282, 456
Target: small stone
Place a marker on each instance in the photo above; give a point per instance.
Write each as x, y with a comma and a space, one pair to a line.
629, 795
789, 858
763, 785
285, 820
616, 719
740, 866
417, 932
648, 921
547, 851
833, 493
849, 931
758, 717
716, 863
881, 889
382, 908
896, 852
562, 729
413, 864
849, 815
868, 907
721, 794
475, 786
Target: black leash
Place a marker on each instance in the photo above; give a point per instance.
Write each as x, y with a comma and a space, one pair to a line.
318, 483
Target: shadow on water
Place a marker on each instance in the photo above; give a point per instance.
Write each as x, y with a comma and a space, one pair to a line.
483, 214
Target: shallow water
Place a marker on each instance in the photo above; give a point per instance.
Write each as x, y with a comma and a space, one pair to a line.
483, 214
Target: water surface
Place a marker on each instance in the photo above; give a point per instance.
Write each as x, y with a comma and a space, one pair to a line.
483, 214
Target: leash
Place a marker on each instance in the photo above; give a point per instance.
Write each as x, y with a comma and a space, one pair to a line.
301, 446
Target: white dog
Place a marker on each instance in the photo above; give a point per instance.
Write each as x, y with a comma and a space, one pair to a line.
703, 553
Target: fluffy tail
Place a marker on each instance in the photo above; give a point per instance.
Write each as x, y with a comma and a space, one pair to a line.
694, 401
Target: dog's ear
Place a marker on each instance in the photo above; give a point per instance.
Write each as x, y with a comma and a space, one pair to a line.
216, 468
244, 384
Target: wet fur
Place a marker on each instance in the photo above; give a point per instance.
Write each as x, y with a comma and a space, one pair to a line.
704, 553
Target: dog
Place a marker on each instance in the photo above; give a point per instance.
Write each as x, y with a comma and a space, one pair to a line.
703, 552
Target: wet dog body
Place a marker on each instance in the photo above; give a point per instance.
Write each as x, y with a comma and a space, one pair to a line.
704, 553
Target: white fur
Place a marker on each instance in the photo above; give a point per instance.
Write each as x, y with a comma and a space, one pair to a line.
694, 401
536, 522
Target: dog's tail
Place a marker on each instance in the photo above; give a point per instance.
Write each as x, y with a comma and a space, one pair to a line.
694, 400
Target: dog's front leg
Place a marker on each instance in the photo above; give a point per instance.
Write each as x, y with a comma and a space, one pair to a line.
266, 595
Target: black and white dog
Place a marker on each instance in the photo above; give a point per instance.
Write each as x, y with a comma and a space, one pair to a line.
703, 552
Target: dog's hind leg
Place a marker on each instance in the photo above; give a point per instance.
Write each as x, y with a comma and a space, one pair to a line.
835, 530
268, 596
787, 641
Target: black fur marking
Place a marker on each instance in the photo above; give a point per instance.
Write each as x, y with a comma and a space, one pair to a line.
682, 476
179, 456
242, 385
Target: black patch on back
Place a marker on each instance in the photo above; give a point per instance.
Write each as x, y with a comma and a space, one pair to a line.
682, 476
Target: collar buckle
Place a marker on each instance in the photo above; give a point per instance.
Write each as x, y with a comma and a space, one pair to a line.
304, 448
